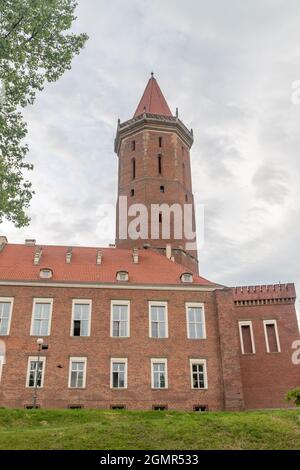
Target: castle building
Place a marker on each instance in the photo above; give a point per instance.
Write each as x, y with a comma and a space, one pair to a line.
134, 325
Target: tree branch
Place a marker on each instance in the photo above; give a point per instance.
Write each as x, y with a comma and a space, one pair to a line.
14, 26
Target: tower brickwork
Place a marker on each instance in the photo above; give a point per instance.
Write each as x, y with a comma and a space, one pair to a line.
154, 168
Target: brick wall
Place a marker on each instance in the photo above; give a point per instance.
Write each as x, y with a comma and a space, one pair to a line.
235, 381
268, 376
175, 177
99, 348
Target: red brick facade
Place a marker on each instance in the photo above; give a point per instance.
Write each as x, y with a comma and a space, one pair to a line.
244, 336
154, 168
235, 381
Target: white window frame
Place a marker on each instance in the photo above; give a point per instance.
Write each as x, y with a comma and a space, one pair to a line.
246, 323
204, 363
84, 302
36, 359
195, 305
157, 303
271, 322
77, 359
119, 302
159, 361
123, 360
41, 300
11, 301
2, 362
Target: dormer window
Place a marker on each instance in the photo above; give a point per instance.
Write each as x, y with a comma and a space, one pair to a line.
46, 273
122, 276
186, 277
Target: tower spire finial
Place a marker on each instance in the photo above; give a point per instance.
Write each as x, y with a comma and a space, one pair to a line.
152, 74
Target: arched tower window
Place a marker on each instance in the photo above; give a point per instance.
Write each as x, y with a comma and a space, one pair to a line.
133, 168
160, 141
183, 174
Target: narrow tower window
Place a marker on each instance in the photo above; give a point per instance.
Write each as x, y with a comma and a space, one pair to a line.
133, 168
162, 189
159, 158
160, 141
133, 145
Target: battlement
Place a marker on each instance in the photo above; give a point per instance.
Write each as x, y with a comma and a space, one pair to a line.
264, 294
152, 121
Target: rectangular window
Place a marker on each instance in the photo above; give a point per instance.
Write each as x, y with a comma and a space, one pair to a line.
35, 372
81, 317
158, 319
195, 318
159, 407
118, 374
133, 145
159, 373
6, 306
77, 372
120, 314
198, 373
41, 317
160, 141
271, 336
246, 337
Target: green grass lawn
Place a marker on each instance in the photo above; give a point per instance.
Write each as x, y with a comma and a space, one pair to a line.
148, 430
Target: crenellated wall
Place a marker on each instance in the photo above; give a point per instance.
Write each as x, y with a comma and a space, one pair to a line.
267, 376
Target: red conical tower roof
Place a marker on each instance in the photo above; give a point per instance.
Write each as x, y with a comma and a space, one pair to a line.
153, 101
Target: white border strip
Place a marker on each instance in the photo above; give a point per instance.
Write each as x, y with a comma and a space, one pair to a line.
167, 287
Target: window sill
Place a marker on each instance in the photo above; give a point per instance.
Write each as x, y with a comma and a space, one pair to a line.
72, 336
120, 337
39, 336
197, 339
77, 388
154, 337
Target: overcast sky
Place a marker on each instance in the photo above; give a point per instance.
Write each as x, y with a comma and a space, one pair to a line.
229, 68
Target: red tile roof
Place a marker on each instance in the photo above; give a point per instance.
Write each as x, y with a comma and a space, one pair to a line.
153, 101
16, 263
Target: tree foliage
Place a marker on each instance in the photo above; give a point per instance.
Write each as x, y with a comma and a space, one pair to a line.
294, 396
35, 47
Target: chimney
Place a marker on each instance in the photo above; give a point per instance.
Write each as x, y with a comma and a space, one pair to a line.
69, 255
169, 250
3, 242
30, 242
135, 255
99, 257
37, 255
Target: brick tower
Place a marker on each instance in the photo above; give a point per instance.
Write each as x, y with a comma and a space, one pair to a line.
154, 169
